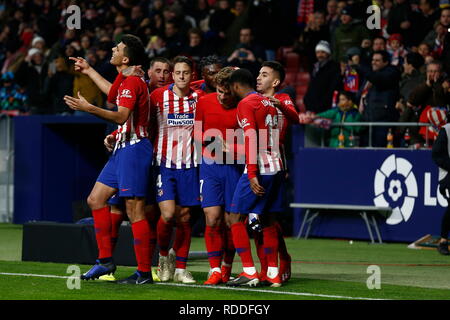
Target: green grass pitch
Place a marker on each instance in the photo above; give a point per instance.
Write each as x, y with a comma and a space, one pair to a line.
321, 269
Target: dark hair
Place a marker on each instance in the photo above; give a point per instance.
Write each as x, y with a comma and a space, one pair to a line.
415, 59
134, 50
162, 60
379, 37
183, 59
349, 95
209, 60
242, 76
276, 66
196, 31
437, 63
384, 54
433, 3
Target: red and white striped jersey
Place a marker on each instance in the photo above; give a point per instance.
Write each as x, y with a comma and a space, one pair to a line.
133, 93
259, 118
174, 144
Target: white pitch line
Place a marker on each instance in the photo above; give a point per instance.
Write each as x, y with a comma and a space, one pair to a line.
265, 291
210, 287
33, 275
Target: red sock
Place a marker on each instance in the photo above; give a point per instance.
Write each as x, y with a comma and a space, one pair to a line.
153, 218
182, 249
116, 221
178, 241
214, 245
242, 244
282, 249
152, 237
164, 234
259, 242
270, 235
141, 235
102, 227
229, 251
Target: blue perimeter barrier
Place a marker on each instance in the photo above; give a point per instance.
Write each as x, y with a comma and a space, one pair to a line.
57, 160
403, 179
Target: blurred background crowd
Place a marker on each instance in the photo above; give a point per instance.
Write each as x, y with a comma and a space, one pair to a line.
397, 72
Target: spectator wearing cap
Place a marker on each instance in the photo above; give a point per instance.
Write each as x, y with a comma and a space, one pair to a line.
411, 78
380, 93
325, 79
39, 43
396, 50
349, 34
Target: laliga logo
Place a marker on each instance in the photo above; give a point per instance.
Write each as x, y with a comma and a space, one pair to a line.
395, 186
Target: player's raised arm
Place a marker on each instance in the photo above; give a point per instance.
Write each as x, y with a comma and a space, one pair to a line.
83, 66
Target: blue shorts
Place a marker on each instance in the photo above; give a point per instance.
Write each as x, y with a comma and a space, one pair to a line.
115, 200
245, 201
128, 169
217, 184
180, 185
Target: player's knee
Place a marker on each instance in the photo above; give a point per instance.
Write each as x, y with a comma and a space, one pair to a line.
212, 219
182, 218
168, 217
234, 218
94, 202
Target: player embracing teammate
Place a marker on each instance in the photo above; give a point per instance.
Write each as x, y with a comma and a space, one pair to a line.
215, 129
228, 196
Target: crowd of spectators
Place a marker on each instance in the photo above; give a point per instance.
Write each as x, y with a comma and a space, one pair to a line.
35, 41
397, 72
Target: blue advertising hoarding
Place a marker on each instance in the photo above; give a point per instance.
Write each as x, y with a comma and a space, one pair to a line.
405, 180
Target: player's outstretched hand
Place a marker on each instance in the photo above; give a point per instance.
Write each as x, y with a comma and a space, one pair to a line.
81, 64
306, 117
133, 71
79, 104
256, 187
109, 142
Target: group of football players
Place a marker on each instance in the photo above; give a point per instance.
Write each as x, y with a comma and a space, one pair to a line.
215, 143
